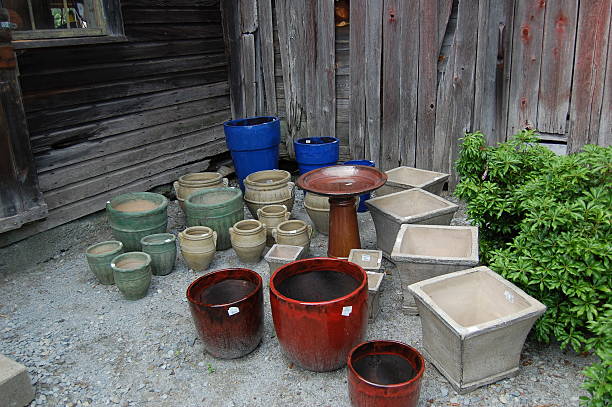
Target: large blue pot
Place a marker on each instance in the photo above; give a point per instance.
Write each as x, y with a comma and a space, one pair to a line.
253, 142
316, 152
364, 197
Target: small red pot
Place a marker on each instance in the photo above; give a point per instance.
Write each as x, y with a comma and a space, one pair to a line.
319, 335
366, 374
229, 318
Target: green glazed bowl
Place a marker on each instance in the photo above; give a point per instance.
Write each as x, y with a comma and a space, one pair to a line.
162, 249
132, 272
99, 257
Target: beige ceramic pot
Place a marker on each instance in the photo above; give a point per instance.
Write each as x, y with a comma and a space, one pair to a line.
268, 187
248, 240
196, 181
271, 216
293, 233
317, 207
198, 245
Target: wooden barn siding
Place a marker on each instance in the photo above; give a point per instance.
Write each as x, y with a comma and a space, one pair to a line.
111, 118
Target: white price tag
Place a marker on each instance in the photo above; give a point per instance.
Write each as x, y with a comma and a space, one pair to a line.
365, 257
346, 311
232, 310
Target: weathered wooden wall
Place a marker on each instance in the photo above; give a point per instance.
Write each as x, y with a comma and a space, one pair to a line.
110, 118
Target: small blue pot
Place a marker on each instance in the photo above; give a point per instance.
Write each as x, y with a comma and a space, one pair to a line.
364, 197
316, 152
253, 143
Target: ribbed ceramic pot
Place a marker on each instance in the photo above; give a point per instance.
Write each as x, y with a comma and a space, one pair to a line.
227, 309
248, 240
318, 335
294, 233
132, 272
198, 246
385, 374
272, 216
217, 208
268, 187
135, 215
99, 257
197, 181
317, 208
162, 249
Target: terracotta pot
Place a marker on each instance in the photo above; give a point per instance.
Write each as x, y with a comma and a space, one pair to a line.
268, 187
227, 309
385, 374
320, 311
271, 216
293, 233
99, 257
197, 181
198, 246
317, 208
162, 249
248, 240
132, 273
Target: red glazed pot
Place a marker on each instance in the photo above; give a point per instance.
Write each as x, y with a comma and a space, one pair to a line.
318, 335
227, 309
385, 374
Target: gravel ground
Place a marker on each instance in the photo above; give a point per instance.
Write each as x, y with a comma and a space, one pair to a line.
86, 346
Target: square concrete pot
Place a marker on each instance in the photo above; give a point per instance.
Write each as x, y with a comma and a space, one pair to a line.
474, 325
374, 282
281, 254
415, 205
369, 260
402, 178
426, 251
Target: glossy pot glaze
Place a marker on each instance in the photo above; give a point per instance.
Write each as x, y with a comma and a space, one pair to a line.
271, 216
269, 187
230, 322
132, 273
162, 249
197, 181
293, 233
198, 246
385, 374
99, 257
319, 335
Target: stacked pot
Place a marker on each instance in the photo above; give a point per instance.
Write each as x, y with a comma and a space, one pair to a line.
268, 187
197, 181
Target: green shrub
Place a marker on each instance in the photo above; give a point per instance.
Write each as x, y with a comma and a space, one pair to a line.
545, 224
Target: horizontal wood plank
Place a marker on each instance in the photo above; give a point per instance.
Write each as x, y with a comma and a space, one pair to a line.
170, 15
154, 32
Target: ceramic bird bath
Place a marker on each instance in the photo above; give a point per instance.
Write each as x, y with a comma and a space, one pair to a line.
342, 183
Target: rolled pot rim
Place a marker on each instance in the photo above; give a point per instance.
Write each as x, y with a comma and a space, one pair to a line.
129, 254
235, 122
282, 212
207, 235
169, 237
417, 376
303, 141
93, 246
259, 184
236, 191
217, 177
238, 226
274, 291
139, 195
192, 300
294, 231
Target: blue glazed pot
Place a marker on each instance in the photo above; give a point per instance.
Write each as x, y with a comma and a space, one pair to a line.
362, 198
253, 143
316, 152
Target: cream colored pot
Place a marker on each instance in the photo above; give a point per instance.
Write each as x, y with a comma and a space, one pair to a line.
198, 245
294, 233
271, 216
248, 239
268, 187
317, 207
196, 181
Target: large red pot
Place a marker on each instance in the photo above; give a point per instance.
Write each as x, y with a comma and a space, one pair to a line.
319, 308
385, 374
227, 308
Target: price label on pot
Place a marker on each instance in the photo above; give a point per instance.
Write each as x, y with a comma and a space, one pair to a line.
365, 257
232, 310
346, 311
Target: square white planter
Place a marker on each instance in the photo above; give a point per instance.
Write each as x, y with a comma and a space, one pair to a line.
426, 251
474, 325
281, 254
415, 205
402, 178
369, 260
374, 281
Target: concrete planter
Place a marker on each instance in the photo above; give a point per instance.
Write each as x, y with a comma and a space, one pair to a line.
369, 260
281, 254
402, 178
374, 281
474, 325
426, 251
391, 211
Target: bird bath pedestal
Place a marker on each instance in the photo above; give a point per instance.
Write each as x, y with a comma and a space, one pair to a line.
342, 184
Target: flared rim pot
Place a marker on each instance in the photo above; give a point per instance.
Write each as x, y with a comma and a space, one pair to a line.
364, 393
198, 200
230, 329
159, 241
245, 134
266, 179
159, 200
319, 335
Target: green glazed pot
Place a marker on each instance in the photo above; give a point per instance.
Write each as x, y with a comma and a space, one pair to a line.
132, 273
217, 208
162, 249
135, 215
99, 257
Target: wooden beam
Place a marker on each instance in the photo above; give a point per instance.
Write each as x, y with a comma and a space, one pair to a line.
409, 80
358, 79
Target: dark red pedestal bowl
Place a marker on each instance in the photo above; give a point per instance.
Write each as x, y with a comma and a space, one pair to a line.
320, 312
227, 309
385, 374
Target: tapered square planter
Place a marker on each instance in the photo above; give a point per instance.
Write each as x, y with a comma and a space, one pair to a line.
426, 251
474, 325
281, 254
402, 178
415, 205
369, 260
374, 282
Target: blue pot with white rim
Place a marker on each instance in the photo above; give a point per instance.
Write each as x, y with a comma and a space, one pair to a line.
316, 152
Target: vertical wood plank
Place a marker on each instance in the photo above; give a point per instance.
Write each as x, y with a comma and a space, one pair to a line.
556, 71
589, 71
266, 42
248, 16
357, 78
373, 72
445, 111
326, 67
311, 85
248, 77
526, 62
445, 8
231, 21
605, 122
